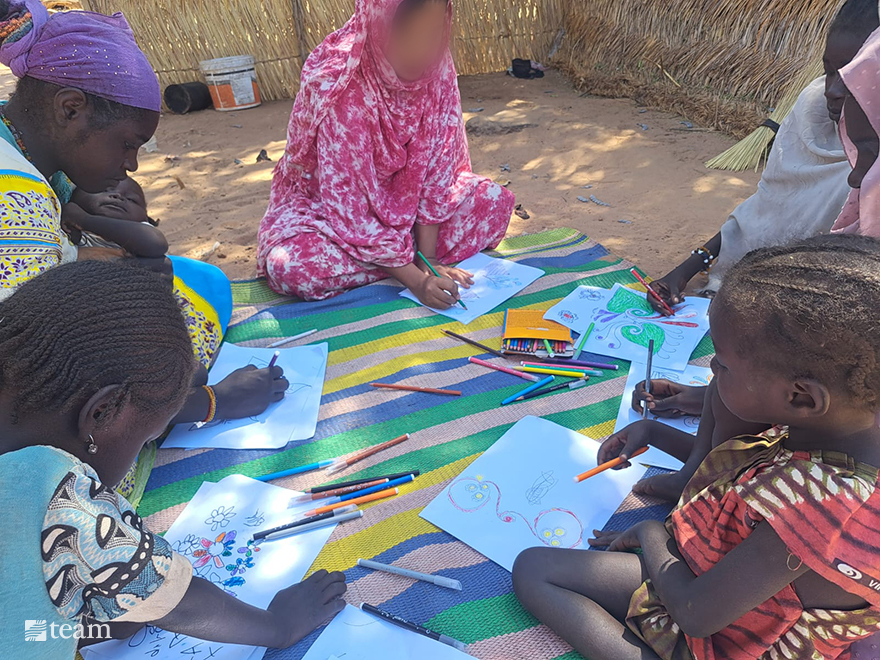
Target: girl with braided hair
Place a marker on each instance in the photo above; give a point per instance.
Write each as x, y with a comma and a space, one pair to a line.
95, 359
774, 548
87, 99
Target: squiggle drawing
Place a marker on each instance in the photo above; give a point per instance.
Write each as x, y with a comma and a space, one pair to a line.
554, 527
629, 318
541, 487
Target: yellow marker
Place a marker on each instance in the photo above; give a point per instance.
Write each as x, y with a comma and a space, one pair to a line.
552, 372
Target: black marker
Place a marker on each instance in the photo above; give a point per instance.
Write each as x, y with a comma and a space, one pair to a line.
305, 521
413, 627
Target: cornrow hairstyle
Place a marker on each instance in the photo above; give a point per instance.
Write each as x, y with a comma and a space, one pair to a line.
857, 17
809, 310
80, 327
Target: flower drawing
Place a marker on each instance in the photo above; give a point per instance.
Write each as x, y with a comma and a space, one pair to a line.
220, 517
215, 550
190, 544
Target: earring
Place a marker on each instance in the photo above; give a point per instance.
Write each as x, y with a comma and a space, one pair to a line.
92, 448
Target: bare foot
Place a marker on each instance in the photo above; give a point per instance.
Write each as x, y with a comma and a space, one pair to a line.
666, 487
303, 607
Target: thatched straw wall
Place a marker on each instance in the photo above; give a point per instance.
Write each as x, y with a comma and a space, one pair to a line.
177, 34
723, 63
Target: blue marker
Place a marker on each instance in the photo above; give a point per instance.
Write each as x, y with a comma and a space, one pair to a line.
528, 390
297, 470
375, 489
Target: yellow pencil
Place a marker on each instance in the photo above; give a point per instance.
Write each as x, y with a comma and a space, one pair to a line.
552, 372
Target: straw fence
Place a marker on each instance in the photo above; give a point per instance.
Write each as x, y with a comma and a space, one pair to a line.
177, 34
722, 63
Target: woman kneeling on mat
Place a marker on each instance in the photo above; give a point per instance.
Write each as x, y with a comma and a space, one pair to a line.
377, 164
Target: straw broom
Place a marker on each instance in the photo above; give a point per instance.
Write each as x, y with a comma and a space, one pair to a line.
749, 152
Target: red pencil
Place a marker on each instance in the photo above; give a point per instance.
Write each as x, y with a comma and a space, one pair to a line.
410, 388
652, 292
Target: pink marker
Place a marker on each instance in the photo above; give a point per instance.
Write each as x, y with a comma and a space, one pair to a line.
507, 370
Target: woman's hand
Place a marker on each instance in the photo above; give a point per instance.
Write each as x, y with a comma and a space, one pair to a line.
457, 275
626, 441
668, 399
436, 292
248, 391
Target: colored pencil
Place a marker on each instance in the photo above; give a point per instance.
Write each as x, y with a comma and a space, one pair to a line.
410, 388
338, 492
428, 264
648, 377
507, 370
542, 365
358, 482
652, 293
474, 343
614, 462
548, 390
290, 340
382, 485
274, 359
439, 580
583, 340
530, 388
580, 363
353, 515
375, 497
549, 349
305, 521
413, 627
554, 372
296, 470
342, 463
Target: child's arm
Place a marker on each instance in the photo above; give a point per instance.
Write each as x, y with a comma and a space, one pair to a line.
136, 238
748, 575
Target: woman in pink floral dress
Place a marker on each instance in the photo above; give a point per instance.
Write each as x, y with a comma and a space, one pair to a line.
377, 164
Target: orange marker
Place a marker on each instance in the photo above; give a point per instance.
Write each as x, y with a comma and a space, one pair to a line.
342, 463
381, 495
411, 388
336, 492
614, 462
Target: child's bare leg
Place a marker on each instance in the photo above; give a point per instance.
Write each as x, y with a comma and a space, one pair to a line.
583, 596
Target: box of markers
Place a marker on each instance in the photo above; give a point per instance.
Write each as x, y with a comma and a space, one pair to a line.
527, 332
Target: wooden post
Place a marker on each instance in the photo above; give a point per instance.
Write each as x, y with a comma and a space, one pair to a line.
299, 26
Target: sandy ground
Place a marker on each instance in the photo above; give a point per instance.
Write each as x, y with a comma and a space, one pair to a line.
663, 201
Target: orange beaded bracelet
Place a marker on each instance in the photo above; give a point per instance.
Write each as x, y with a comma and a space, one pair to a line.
212, 406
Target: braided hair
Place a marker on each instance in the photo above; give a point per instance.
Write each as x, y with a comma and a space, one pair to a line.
809, 310
80, 327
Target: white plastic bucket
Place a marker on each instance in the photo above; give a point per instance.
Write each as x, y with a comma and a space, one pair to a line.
233, 82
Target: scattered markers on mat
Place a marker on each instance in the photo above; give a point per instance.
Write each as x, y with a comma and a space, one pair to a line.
304, 524
506, 370
315, 524
531, 388
519, 494
355, 482
583, 340
413, 627
495, 281
297, 470
356, 635
564, 362
412, 388
290, 340
342, 463
439, 580
565, 373
575, 385
219, 519
562, 367
293, 418
364, 499
337, 492
613, 463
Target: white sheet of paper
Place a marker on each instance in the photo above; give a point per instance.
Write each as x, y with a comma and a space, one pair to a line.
221, 518
495, 281
356, 635
521, 493
693, 376
293, 418
625, 323
575, 311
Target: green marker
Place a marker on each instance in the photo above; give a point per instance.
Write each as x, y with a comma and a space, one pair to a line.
583, 341
428, 264
549, 349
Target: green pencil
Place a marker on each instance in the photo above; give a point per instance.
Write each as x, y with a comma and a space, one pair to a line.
583, 341
428, 264
549, 349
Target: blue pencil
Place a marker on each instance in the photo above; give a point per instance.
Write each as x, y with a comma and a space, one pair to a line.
528, 390
375, 489
297, 470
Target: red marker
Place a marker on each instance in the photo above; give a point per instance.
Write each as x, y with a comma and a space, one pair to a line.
652, 292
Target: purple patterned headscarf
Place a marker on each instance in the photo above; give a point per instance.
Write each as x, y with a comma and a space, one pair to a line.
92, 52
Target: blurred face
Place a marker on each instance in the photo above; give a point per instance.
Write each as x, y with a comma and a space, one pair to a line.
840, 49
99, 159
864, 137
124, 201
417, 41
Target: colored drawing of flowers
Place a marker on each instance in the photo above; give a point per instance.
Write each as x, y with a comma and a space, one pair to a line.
214, 550
220, 517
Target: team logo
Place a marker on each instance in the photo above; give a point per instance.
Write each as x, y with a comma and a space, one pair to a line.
849, 571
